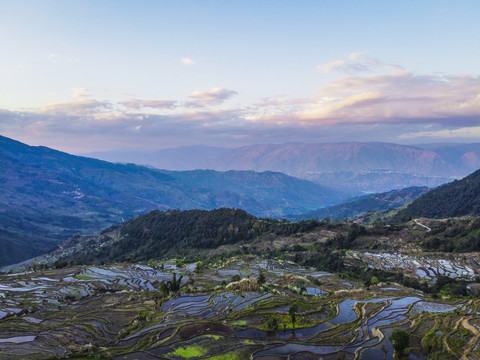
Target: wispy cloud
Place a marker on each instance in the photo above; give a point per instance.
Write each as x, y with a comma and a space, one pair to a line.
187, 61
138, 104
385, 103
332, 66
53, 58
57, 58
80, 93
445, 134
276, 102
214, 96
356, 55
76, 107
358, 63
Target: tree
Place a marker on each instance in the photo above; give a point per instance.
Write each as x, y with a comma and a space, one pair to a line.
261, 279
374, 280
174, 284
273, 324
293, 311
164, 289
401, 341
367, 283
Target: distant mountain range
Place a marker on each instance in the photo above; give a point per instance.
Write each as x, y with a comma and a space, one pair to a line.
458, 198
353, 167
48, 196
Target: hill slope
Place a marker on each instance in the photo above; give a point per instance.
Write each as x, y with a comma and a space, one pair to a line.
171, 233
458, 198
48, 195
376, 202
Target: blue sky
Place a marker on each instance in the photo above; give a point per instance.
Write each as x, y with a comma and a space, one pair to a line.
103, 75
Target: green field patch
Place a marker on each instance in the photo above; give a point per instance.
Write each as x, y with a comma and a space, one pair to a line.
458, 340
239, 323
432, 341
190, 351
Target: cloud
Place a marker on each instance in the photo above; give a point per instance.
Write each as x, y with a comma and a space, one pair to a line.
283, 101
53, 58
357, 63
398, 97
445, 134
215, 96
351, 67
187, 61
331, 66
356, 55
56, 59
80, 93
76, 107
138, 104
386, 103
89, 117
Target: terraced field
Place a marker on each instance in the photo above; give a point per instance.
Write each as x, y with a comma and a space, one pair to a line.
118, 312
423, 266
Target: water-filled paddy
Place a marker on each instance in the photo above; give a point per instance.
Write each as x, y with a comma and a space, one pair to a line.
432, 307
119, 307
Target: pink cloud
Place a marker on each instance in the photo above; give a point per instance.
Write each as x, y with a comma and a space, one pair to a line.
138, 104
387, 98
214, 96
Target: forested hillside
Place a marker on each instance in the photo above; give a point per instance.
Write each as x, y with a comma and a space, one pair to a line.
376, 202
458, 198
49, 196
174, 232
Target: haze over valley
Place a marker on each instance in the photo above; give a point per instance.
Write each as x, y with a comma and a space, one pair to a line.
353, 167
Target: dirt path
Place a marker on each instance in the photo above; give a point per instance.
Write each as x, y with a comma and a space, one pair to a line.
473, 341
424, 226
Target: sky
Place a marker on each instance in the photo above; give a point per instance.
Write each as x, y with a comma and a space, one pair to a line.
85, 76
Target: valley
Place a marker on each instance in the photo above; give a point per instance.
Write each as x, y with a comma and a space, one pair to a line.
288, 290
239, 180
354, 167
128, 277
49, 196
117, 312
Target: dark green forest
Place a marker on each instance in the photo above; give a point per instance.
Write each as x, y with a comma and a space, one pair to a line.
458, 198
177, 233
454, 235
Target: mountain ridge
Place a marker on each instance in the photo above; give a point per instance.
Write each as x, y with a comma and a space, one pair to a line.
49, 196
357, 167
